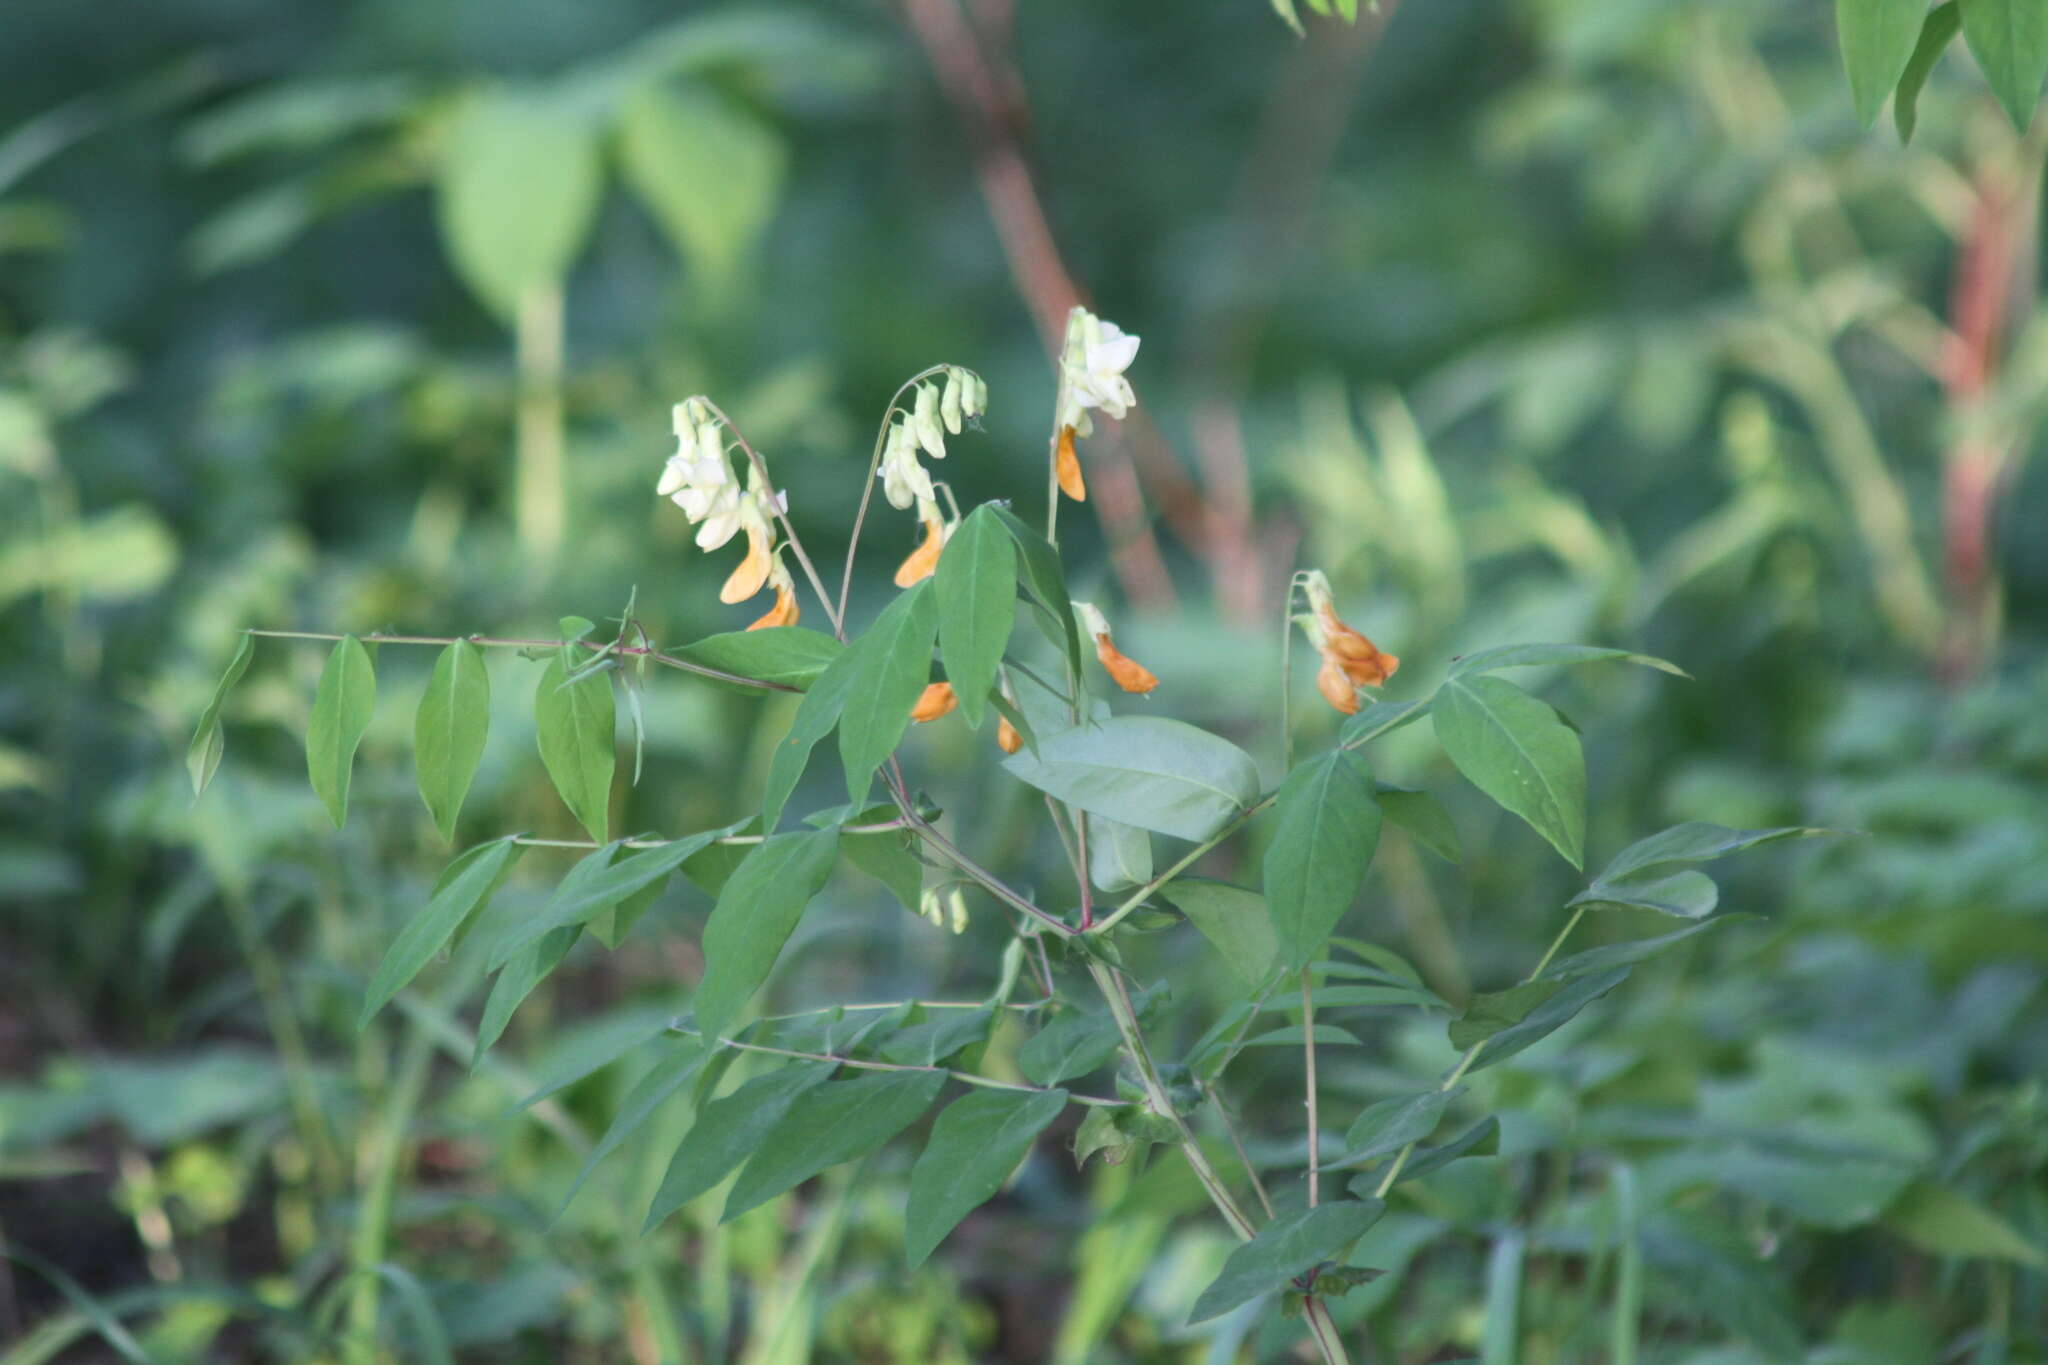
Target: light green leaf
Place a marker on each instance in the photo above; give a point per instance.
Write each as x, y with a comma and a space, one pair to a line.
463, 888
1424, 817
1696, 842
1072, 1045
1285, 9
1685, 895
1950, 1223
789, 655
1877, 38
729, 1130
1119, 855
449, 732
2009, 39
516, 191
1539, 656
1516, 750
975, 1145
1943, 22
1392, 1124
1157, 774
756, 912
577, 726
976, 587
1511, 1020
709, 170
1327, 828
929, 1042
887, 856
1327, 1035
341, 712
1381, 718
1284, 1248
598, 882
202, 756
815, 717
892, 665
1234, 920
527, 969
840, 1121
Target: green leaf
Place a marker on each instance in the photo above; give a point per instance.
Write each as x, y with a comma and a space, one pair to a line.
1423, 817
755, 914
202, 756
815, 717
1327, 1035
448, 733
892, 665
976, 588
527, 969
598, 882
1381, 718
789, 655
887, 856
729, 1130
463, 888
1695, 842
1516, 750
1539, 656
516, 191
709, 170
1235, 922
341, 712
1158, 774
1629, 953
1119, 855
1948, 1222
1511, 1020
1285, 9
677, 1067
1072, 1045
975, 1144
578, 731
1685, 895
1327, 827
1284, 1248
1040, 574
1943, 22
1877, 38
2009, 39
1119, 1130
611, 926
1481, 1139
930, 1042
840, 1121
1392, 1124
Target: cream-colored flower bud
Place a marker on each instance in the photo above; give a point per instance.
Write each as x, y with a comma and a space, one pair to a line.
949, 401
925, 418
956, 908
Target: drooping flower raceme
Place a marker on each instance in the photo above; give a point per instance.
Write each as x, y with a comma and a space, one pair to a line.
936, 410
1350, 660
698, 478
1092, 363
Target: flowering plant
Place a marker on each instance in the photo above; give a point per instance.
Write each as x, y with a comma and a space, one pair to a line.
846, 1080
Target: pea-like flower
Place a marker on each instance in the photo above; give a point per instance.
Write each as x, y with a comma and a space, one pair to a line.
785, 611
698, 478
1127, 672
923, 562
935, 701
1092, 363
1350, 660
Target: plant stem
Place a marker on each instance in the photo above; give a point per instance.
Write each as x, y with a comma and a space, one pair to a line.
1308, 1049
539, 485
501, 642
882, 827
377, 1165
867, 488
968, 1077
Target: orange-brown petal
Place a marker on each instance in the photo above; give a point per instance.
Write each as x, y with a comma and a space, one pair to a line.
1007, 738
747, 579
1371, 672
783, 613
1129, 674
1337, 687
924, 560
938, 700
1067, 465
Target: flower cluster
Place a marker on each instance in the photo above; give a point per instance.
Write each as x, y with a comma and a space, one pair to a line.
944, 908
937, 410
1092, 364
698, 478
1350, 660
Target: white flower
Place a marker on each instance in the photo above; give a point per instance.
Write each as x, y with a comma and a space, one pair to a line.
905, 481
1092, 365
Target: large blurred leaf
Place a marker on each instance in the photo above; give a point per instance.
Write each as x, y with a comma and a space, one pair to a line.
342, 708
1147, 771
516, 191
1516, 750
1950, 1223
449, 731
974, 1146
839, 1121
1935, 35
760, 905
709, 170
1326, 829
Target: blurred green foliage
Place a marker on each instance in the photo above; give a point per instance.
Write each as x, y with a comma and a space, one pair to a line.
1525, 319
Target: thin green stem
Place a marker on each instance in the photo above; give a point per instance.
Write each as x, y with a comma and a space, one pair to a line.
501, 642
967, 1077
882, 827
1308, 1049
867, 488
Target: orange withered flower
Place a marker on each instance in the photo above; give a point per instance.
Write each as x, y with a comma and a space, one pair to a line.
937, 700
1350, 660
923, 562
1066, 465
1127, 672
784, 612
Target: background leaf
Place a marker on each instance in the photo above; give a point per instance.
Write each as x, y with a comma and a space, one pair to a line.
974, 1146
1235, 922
341, 712
202, 755
577, 726
710, 170
1515, 749
449, 731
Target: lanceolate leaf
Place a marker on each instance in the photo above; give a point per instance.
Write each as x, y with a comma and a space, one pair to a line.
1481, 1139
892, 664
975, 1145
1038, 570
1515, 1019
1943, 21
1328, 825
760, 905
729, 1129
1283, 1249
528, 968
1381, 718
1392, 1124
1631, 952
1534, 656
2009, 38
202, 756
1877, 38
448, 734
1147, 771
463, 888
1515, 749
597, 883
678, 1065
815, 718
1696, 842
976, 586
1683, 895
1424, 817
341, 712
840, 1121
789, 655
577, 726
1234, 920
1072, 1045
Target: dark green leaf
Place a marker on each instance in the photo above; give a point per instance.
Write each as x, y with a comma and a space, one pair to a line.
931, 1041
976, 590
1119, 855
1234, 920
756, 911
1424, 817
1381, 718
577, 727
1685, 895
1515, 749
1695, 842
1327, 1035
1949, 1222
1038, 570
729, 1130
1481, 1139
2009, 39
887, 857
892, 665
1072, 1045
449, 731
1539, 656
202, 756
1512, 1020
1629, 953
516, 191
976, 1143
1943, 22
678, 1065
1392, 1124
463, 888
1877, 38
815, 717
840, 1121
341, 712
1147, 771
597, 883
789, 655
1117, 1131
1284, 1248
1327, 827
527, 969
